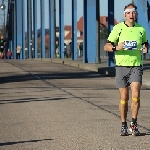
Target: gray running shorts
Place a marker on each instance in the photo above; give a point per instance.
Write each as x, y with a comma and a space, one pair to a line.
126, 75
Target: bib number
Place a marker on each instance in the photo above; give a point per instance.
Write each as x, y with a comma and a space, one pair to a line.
130, 45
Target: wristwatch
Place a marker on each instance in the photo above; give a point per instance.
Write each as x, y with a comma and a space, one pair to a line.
114, 48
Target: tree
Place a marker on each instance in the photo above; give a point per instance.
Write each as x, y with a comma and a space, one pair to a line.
2, 30
133, 2
103, 32
122, 20
39, 45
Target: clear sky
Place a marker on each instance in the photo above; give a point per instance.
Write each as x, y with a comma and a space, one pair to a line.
119, 6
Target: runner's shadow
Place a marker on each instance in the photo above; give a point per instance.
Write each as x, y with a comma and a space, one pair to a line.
148, 133
145, 134
142, 134
20, 142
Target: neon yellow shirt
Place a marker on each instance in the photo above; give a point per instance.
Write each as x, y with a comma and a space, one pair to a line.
134, 36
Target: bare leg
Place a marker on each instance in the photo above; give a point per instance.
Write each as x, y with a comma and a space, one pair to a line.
135, 105
123, 106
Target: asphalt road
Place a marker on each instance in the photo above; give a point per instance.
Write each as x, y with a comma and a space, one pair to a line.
48, 106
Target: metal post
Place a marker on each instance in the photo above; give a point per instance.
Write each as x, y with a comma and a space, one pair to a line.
19, 23
35, 27
61, 28
89, 44
74, 30
52, 26
31, 28
42, 28
110, 27
28, 28
10, 45
98, 59
10, 23
55, 28
4, 36
23, 30
84, 31
14, 29
4, 25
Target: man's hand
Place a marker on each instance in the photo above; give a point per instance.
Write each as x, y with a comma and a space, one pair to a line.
120, 46
145, 48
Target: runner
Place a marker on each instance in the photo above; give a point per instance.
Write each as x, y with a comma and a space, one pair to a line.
126, 39
2, 44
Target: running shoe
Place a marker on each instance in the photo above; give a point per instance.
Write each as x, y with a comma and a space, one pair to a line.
134, 129
124, 130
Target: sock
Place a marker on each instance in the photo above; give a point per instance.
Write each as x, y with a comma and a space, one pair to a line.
134, 120
124, 123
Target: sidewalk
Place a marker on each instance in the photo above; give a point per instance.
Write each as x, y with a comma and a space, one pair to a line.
100, 68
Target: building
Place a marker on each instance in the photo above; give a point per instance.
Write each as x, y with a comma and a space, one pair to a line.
68, 37
68, 31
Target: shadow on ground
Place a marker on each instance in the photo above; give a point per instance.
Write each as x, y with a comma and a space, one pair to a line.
21, 142
51, 76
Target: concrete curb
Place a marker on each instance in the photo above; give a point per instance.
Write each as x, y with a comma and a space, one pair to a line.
90, 67
100, 68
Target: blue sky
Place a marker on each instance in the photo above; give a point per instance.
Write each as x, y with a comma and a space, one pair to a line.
119, 6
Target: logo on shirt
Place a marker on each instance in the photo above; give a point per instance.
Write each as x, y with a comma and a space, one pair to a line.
130, 45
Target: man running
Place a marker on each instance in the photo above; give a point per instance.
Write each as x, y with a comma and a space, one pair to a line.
2, 44
127, 40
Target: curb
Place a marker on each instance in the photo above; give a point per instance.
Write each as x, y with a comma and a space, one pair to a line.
99, 68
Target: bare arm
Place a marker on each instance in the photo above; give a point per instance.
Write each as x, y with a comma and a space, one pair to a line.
109, 47
145, 47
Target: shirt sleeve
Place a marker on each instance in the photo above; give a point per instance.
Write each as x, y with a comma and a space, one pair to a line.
113, 36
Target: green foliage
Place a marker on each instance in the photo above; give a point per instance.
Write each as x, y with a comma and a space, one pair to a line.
2, 30
133, 2
103, 32
39, 45
122, 20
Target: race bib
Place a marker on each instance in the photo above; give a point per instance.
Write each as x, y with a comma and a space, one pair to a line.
130, 45
2, 46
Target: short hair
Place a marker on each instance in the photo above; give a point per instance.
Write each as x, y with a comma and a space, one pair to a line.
131, 4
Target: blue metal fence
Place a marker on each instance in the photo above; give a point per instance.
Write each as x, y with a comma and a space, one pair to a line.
17, 17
